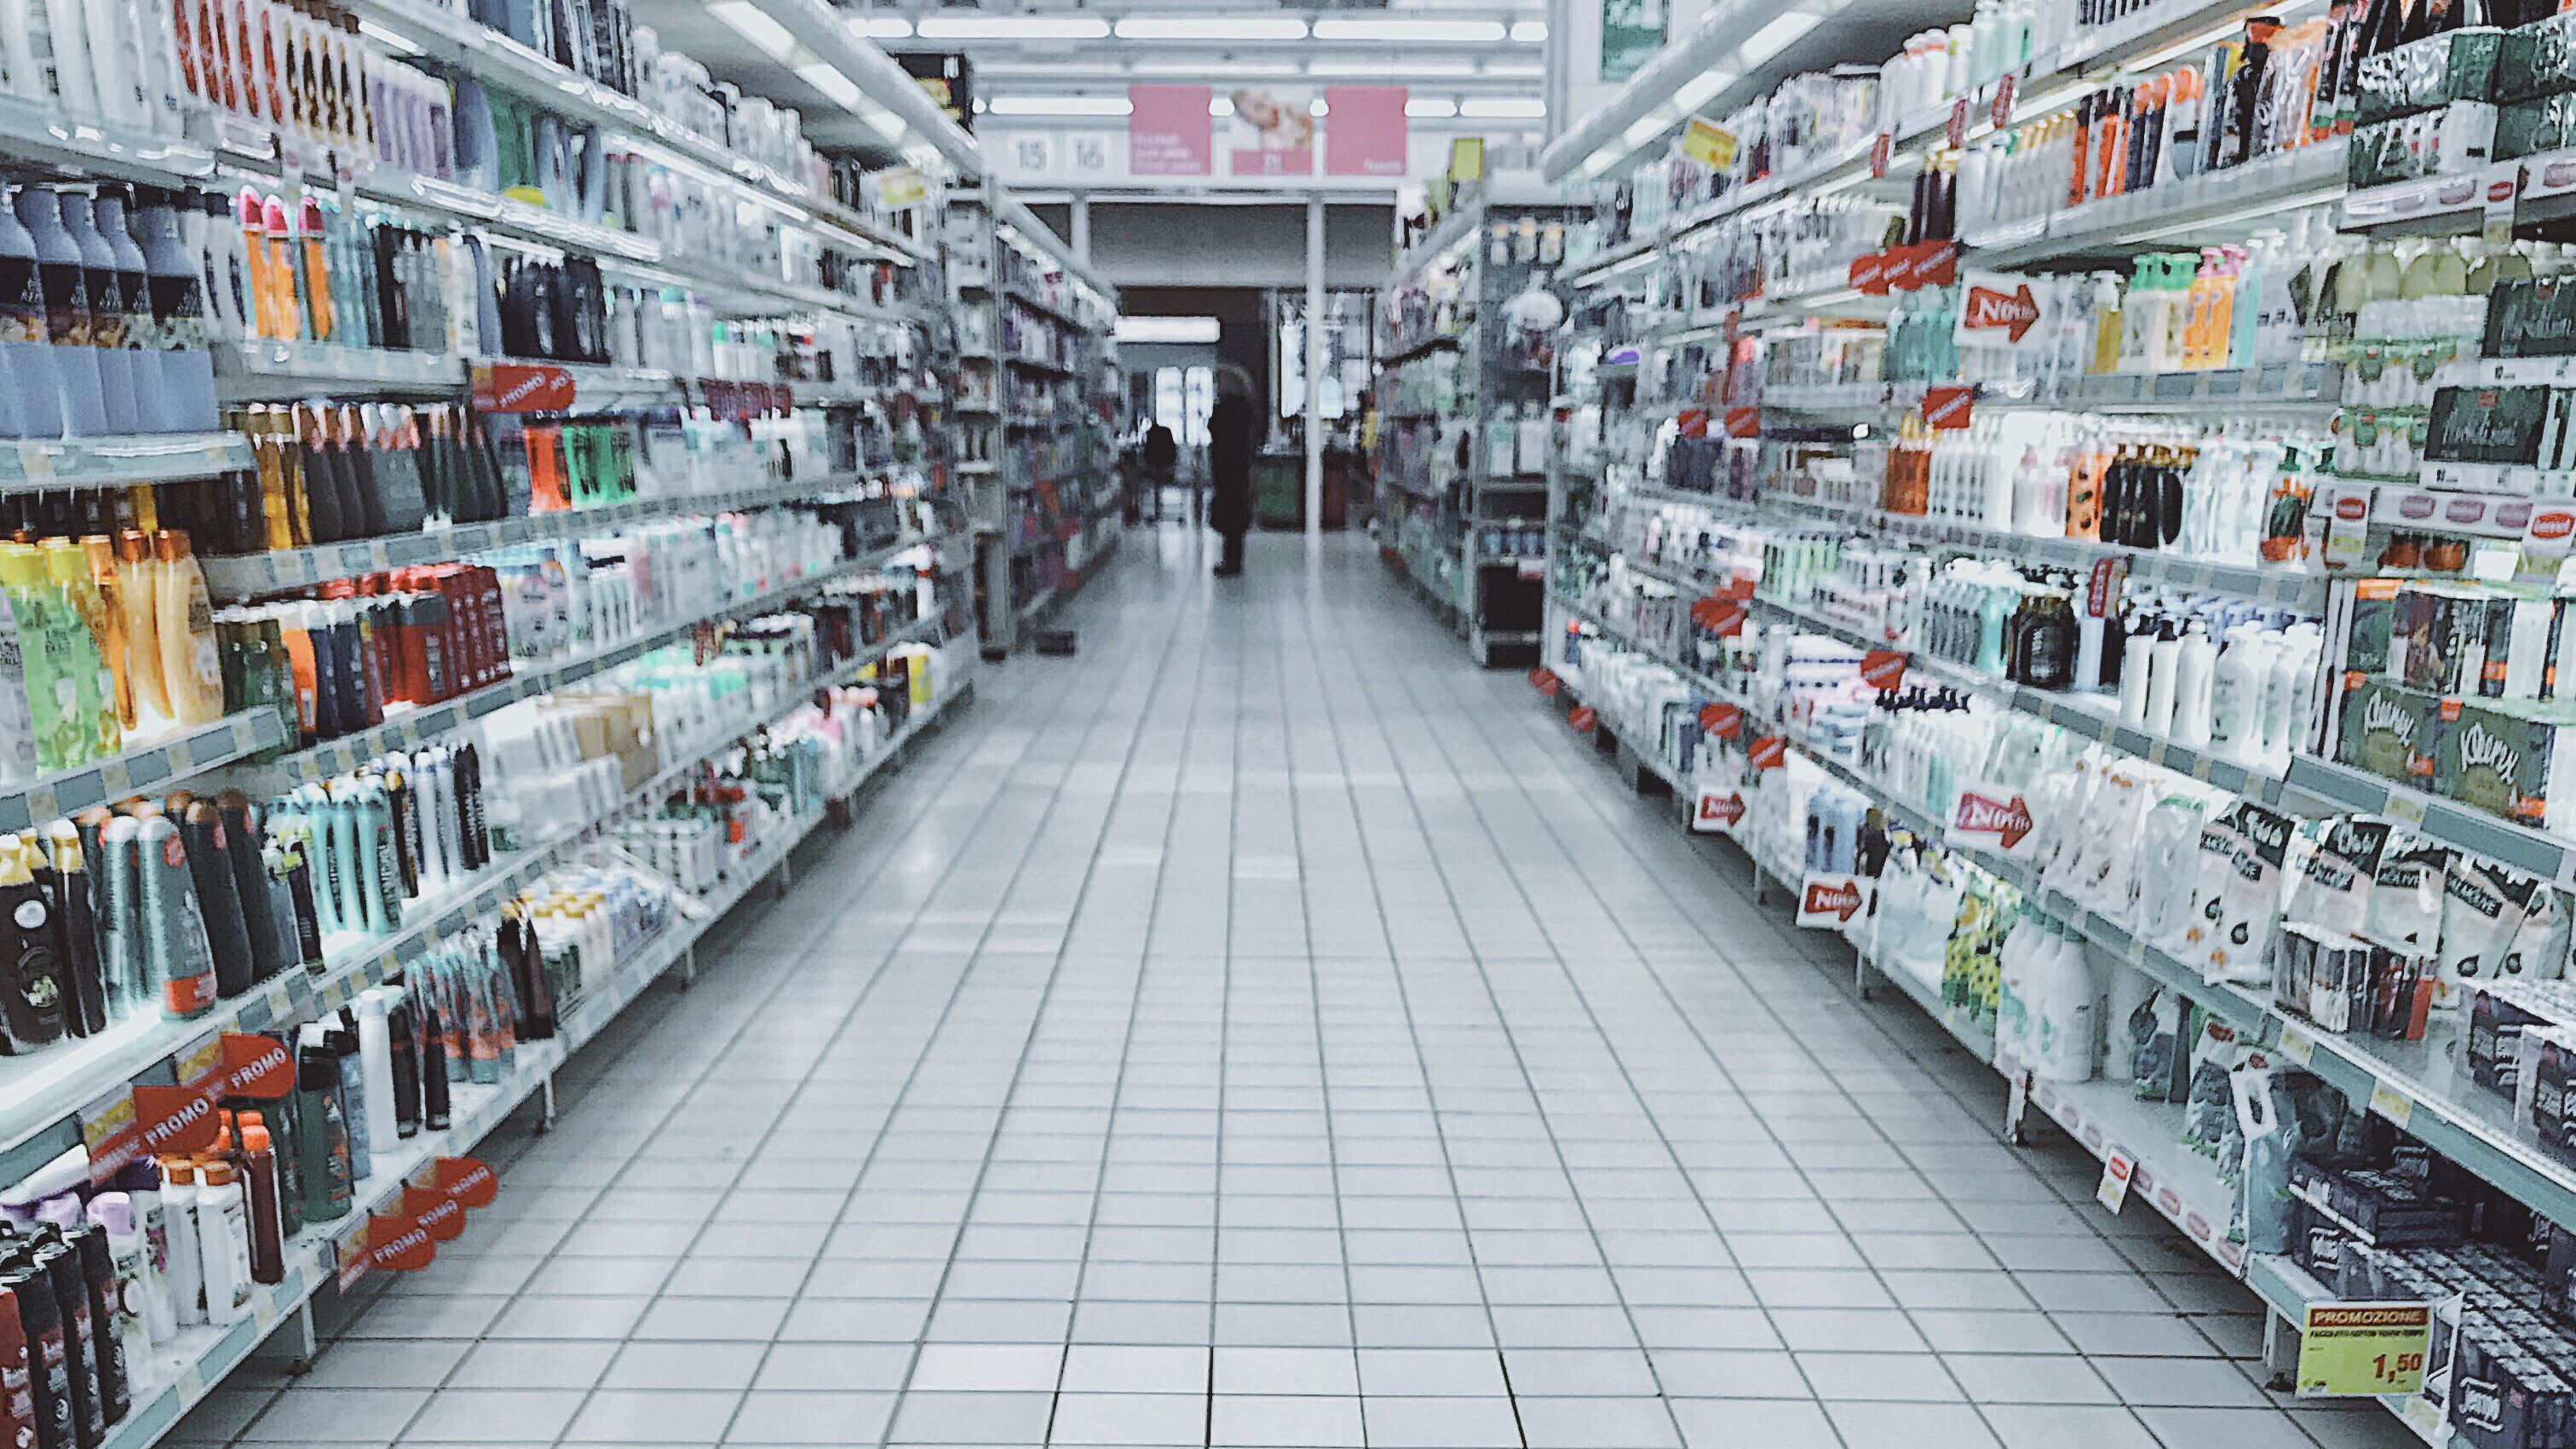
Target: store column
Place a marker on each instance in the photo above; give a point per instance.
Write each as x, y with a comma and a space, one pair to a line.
1082, 228
1314, 367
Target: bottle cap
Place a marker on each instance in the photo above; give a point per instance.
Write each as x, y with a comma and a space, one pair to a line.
178, 1172
217, 1173
113, 1211
254, 1138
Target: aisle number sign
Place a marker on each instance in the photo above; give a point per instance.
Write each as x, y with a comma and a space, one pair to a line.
1708, 145
2351, 1349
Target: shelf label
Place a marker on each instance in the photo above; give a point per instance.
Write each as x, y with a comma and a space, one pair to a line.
900, 187
1881, 151
1993, 816
1957, 134
1710, 146
2405, 807
2296, 1044
2118, 1170
1947, 408
1883, 669
2001, 115
2504, 186
2349, 1350
1718, 811
1827, 899
2391, 1103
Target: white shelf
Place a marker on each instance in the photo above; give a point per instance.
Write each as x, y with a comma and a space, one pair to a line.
37, 465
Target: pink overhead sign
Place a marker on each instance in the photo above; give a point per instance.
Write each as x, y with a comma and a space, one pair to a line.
1364, 132
1168, 132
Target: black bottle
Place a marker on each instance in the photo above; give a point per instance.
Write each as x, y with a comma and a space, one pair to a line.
40, 1314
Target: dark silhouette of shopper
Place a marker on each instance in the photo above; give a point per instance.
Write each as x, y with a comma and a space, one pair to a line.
1160, 454
1232, 426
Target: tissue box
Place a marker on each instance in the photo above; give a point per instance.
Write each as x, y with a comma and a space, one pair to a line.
2387, 728
2536, 59
2459, 66
2505, 1398
2505, 757
2459, 137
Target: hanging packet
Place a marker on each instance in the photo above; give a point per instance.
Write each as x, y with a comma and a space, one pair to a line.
2249, 905
2405, 911
2336, 878
2168, 850
2483, 906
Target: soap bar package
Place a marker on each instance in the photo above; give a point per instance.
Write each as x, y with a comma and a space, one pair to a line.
2458, 66
2487, 424
2530, 128
2531, 317
2536, 59
2458, 137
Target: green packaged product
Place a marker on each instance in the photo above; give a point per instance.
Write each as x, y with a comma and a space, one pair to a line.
2388, 729
2486, 424
2531, 317
2459, 137
2459, 66
2529, 128
2536, 60
2505, 757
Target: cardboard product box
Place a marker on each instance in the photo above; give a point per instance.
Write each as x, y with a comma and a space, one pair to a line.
2531, 317
2388, 730
2497, 1020
2503, 1397
2457, 138
2496, 423
2536, 59
2534, 127
2432, 634
2458, 66
2372, 615
2507, 758
2541, 1091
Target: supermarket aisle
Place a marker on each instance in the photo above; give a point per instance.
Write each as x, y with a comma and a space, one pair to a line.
1266, 1002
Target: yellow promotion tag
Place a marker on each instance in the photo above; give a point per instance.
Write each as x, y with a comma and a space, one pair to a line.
901, 187
1709, 145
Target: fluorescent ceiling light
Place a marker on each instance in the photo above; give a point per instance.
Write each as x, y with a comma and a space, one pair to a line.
846, 94
882, 27
1015, 27
1391, 67
1774, 38
403, 43
884, 122
1643, 129
1430, 108
1343, 28
1529, 32
1220, 105
1165, 329
1514, 72
1316, 107
1060, 106
1502, 107
1211, 27
1695, 92
756, 26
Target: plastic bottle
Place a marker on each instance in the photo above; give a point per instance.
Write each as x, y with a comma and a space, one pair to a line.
174, 934
223, 1241
130, 1255
262, 1194
2194, 660
35, 405
323, 1171
80, 390
174, 283
376, 1062
107, 314
184, 624
140, 1181
187, 1255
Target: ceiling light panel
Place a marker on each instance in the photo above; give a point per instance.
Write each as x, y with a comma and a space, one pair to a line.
882, 27
1060, 105
846, 94
1016, 27
1502, 108
755, 25
1529, 32
1391, 67
1211, 27
1333, 27
1430, 108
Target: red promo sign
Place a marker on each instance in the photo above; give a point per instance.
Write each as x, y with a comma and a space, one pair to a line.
1364, 130
1582, 718
174, 1121
1947, 408
1168, 131
2002, 113
523, 387
1768, 753
1719, 811
1881, 151
1743, 422
1718, 615
1988, 812
467, 1180
439, 1215
398, 1243
1722, 720
1936, 263
2016, 312
255, 1066
1692, 422
1883, 669
1957, 136
1547, 682
2103, 586
1829, 900
1868, 274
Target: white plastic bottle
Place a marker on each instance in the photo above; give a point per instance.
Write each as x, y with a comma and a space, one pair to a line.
223, 1242
376, 1060
187, 1258
2137, 662
2194, 660
2164, 656
132, 1258
2236, 692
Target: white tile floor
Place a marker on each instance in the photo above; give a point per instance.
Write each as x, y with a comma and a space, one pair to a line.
1267, 1029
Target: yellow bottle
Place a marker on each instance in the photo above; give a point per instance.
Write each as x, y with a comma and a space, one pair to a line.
138, 580
67, 564
184, 619
100, 551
